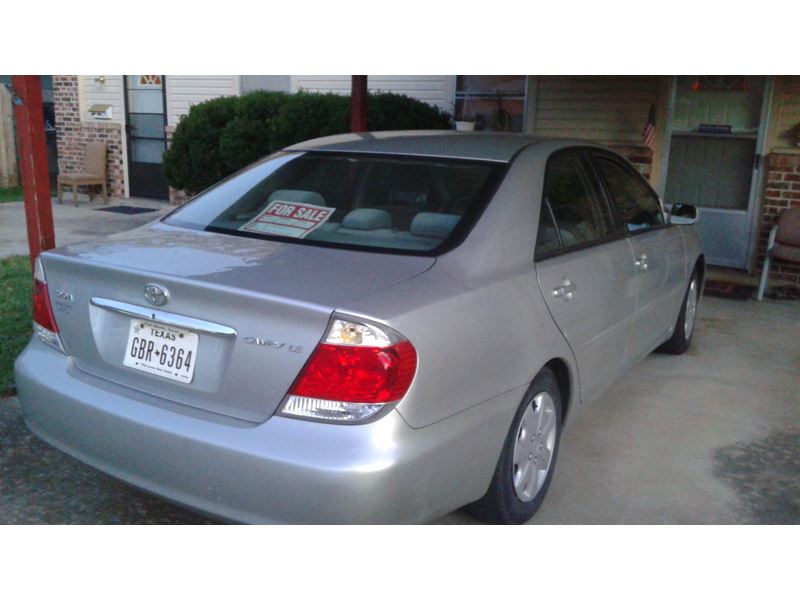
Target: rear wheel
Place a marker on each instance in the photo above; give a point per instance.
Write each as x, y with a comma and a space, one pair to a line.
526, 465
682, 335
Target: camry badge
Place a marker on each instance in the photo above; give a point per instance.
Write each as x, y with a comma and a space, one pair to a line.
155, 294
64, 295
258, 341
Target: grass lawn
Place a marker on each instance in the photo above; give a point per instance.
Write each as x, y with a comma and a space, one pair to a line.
11, 194
15, 315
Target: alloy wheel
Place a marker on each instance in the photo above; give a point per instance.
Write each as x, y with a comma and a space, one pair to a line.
534, 446
691, 310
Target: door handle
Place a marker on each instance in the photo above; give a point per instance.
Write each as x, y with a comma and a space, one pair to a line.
641, 262
564, 290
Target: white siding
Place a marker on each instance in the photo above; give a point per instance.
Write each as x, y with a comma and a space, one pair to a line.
111, 92
610, 110
273, 83
438, 90
184, 91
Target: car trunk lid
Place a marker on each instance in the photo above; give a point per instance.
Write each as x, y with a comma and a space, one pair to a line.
258, 308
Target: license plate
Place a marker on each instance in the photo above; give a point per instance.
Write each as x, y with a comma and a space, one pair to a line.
161, 350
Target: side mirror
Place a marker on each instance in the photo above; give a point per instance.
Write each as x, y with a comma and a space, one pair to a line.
683, 214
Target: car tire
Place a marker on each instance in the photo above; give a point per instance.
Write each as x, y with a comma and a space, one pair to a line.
519, 484
684, 329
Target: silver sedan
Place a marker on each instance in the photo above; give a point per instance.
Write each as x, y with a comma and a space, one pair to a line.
365, 328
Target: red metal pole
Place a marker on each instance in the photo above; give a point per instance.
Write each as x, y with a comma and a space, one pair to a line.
29, 116
358, 103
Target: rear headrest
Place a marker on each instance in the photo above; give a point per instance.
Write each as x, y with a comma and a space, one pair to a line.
303, 196
367, 219
435, 225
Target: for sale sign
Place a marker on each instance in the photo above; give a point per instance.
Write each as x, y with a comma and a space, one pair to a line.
289, 219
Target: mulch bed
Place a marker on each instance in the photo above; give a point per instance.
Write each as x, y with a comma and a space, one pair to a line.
784, 292
737, 291
726, 289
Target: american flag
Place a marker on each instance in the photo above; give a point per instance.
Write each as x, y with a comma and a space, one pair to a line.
649, 133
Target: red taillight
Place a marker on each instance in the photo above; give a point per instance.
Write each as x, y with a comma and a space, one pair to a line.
44, 323
42, 311
357, 373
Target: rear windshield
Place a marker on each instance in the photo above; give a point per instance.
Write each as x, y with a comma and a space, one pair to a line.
409, 205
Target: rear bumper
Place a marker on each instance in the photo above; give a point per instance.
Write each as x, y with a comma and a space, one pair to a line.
280, 471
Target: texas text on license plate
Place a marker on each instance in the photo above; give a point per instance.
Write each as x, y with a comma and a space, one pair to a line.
161, 350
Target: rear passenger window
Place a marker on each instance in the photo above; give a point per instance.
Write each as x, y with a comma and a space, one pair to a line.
580, 214
636, 203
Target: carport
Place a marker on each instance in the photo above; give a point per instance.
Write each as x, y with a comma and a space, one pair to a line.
708, 437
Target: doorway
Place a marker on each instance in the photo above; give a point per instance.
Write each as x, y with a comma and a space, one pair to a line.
145, 123
714, 133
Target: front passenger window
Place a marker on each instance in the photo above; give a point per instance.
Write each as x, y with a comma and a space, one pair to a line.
581, 216
636, 203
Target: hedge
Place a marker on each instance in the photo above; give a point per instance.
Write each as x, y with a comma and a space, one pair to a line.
193, 160
220, 136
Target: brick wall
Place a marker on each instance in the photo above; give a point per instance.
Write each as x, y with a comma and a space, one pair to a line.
782, 191
73, 134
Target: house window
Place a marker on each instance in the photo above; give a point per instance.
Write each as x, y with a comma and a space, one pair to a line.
154, 80
492, 102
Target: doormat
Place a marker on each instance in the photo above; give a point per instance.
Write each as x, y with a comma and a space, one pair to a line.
127, 210
726, 289
783, 292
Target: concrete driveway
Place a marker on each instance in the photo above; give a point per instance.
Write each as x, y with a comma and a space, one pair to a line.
709, 437
74, 223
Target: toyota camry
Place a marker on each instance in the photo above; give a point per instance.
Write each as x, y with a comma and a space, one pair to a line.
365, 328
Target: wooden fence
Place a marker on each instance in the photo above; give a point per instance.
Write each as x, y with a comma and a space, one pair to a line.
8, 154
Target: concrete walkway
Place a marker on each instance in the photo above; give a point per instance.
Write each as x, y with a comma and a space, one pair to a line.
712, 436
74, 224
709, 437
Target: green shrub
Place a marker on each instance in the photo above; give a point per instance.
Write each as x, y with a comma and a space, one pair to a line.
221, 136
194, 161
394, 112
249, 135
306, 116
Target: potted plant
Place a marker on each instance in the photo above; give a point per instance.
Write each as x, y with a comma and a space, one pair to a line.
467, 121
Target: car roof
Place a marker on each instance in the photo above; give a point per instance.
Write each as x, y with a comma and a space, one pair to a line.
499, 147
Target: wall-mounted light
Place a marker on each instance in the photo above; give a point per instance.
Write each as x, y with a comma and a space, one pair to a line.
99, 81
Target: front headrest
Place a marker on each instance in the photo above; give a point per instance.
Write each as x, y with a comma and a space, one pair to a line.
367, 219
304, 196
435, 225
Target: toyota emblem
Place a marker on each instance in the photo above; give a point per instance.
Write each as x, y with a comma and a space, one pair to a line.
156, 294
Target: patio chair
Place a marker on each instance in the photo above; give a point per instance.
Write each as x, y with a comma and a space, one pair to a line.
783, 244
94, 173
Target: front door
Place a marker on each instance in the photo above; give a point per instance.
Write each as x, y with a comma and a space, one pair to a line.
145, 126
713, 163
658, 254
